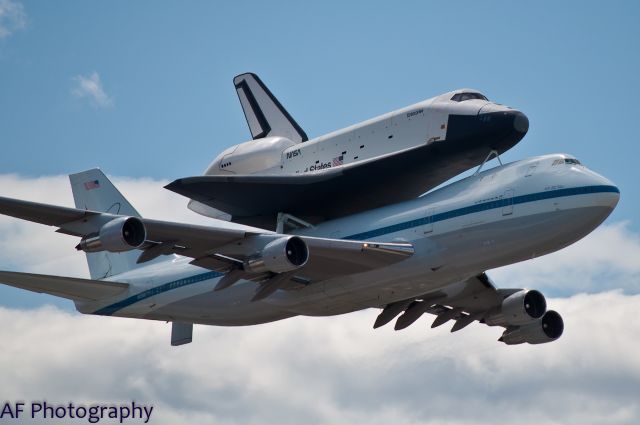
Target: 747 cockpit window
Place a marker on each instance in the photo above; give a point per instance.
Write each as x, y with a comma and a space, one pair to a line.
461, 97
570, 161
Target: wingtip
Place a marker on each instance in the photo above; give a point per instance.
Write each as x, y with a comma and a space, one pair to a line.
178, 184
173, 185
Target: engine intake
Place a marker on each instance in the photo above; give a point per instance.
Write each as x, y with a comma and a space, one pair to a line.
118, 235
547, 329
518, 308
281, 255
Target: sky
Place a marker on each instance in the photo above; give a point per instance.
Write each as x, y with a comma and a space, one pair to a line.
144, 91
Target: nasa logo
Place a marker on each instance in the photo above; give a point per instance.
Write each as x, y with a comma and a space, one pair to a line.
293, 154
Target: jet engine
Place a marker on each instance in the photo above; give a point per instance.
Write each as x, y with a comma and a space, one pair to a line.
547, 329
518, 308
118, 235
280, 255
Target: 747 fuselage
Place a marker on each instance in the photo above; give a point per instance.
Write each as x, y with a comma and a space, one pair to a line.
497, 217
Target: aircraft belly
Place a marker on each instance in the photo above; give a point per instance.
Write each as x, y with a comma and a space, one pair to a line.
230, 307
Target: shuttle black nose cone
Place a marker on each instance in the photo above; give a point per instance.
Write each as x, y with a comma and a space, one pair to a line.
495, 129
520, 122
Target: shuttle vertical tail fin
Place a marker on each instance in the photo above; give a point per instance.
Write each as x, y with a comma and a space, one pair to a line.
92, 190
264, 113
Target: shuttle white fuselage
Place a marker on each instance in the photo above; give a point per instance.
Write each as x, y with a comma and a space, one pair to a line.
416, 125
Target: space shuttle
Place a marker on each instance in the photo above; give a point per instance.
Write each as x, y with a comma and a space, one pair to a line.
282, 178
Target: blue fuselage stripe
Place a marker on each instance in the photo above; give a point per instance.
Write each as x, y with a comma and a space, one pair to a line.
500, 203
109, 310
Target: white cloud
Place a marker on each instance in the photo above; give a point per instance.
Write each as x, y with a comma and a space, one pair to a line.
334, 370
90, 87
12, 17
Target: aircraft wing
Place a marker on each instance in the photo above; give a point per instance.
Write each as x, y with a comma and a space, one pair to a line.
228, 248
51, 215
477, 299
333, 192
77, 222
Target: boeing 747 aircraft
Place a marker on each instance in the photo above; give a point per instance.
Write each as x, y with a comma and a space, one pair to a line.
424, 255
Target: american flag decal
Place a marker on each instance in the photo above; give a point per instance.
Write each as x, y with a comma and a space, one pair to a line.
338, 160
93, 184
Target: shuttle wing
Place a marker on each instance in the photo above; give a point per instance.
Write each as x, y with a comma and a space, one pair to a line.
331, 193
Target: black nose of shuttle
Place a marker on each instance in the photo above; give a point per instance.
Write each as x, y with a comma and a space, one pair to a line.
496, 128
504, 122
504, 128
520, 122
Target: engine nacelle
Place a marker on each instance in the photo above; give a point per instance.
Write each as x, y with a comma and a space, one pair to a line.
547, 329
281, 255
250, 157
518, 308
118, 235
